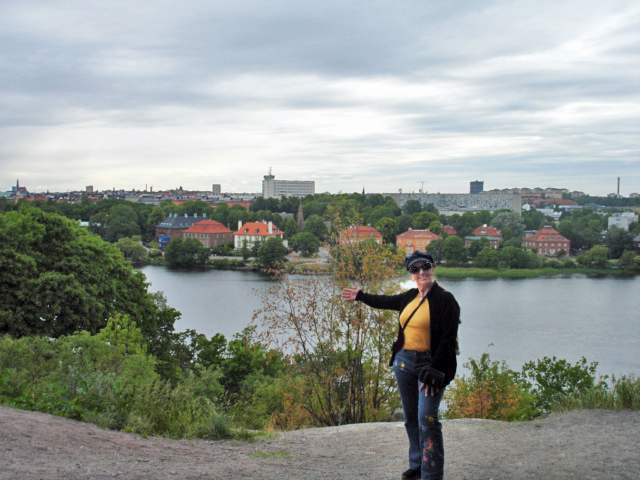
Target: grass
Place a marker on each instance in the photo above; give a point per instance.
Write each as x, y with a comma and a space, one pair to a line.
275, 454
488, 273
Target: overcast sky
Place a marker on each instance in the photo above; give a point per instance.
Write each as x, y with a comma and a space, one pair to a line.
380, 95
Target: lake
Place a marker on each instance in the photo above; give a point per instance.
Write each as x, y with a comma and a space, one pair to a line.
513, 320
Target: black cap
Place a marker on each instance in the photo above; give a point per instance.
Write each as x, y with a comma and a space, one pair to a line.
416, 257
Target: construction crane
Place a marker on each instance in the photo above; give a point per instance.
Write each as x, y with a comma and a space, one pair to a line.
422, 182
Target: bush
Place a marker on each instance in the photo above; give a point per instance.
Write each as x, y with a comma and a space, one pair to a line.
492, 392
622, 394
551, 379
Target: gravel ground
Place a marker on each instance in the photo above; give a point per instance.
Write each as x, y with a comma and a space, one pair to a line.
585, 444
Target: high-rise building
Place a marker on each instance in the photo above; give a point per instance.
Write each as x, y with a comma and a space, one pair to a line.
476, 186
216, 189
272, 188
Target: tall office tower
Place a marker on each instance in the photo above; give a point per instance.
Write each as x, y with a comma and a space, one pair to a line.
476, 187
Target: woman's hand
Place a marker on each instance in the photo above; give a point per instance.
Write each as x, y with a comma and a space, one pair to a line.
429, 390
350, 294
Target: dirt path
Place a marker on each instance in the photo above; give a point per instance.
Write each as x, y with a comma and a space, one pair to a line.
587, 444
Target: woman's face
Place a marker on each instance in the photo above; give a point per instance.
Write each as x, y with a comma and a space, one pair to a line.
424, 278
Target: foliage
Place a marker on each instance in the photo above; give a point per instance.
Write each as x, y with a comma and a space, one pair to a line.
108, 379
132, 249
621, 394
306, 243
514, 257
595, 257
491, 391
315, 225
510, 223
388, 229
582, 228
630, 262
338, 352
488, 257
551, 379
188, 251
57, 278
618, 241
271, 253
454, 251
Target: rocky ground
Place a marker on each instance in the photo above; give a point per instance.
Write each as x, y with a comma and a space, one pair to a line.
586, 444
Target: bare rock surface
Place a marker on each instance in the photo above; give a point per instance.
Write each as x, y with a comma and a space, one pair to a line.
584, 444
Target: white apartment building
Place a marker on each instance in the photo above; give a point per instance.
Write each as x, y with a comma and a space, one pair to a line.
272, 188
622, 220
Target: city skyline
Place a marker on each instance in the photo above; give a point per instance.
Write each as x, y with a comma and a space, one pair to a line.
352, 95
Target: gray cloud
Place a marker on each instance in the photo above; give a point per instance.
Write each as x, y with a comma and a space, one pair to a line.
348, 93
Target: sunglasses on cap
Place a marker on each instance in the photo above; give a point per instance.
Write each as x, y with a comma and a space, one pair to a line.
416, 267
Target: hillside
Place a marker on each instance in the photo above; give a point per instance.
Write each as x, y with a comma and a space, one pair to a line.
587, 444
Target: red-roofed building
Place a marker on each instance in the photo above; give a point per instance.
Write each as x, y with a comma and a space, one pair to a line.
415, 240
360, 234
449, 229
254, 232
547, 241
491, 233
209, 232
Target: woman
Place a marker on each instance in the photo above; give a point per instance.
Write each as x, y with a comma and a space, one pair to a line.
425, 362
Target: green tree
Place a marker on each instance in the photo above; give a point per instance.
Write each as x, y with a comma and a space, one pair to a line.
454, 251
388, 229
306, 243
411, 207
596, 257
618, 240
57, 278
478, 245
422, 220
271, 254
132, 249
436, 248
122, 221
488, 257
630, 261
510, 224
289, 227
315, 225
188, 251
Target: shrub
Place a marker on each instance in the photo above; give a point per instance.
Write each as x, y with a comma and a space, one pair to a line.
551, 379
491, 391
622, 394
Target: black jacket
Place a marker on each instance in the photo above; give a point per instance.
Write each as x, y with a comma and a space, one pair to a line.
445, 317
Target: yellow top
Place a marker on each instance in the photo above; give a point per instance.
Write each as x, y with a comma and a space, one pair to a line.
417, 335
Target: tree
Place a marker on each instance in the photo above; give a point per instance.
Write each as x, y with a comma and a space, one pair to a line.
388, 229
306, 243
132, 249
454, 251
290, 228
188, 251
595, 257
436, 248
271, 254
122, 221
422, 220
478, 245
488, 257
338, 352
315, 225
57, 278
618, 240
411, 207
510, 224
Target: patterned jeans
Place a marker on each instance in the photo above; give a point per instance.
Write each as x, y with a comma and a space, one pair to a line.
426, 447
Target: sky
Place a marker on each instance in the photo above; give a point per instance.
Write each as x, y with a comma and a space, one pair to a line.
375, 95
